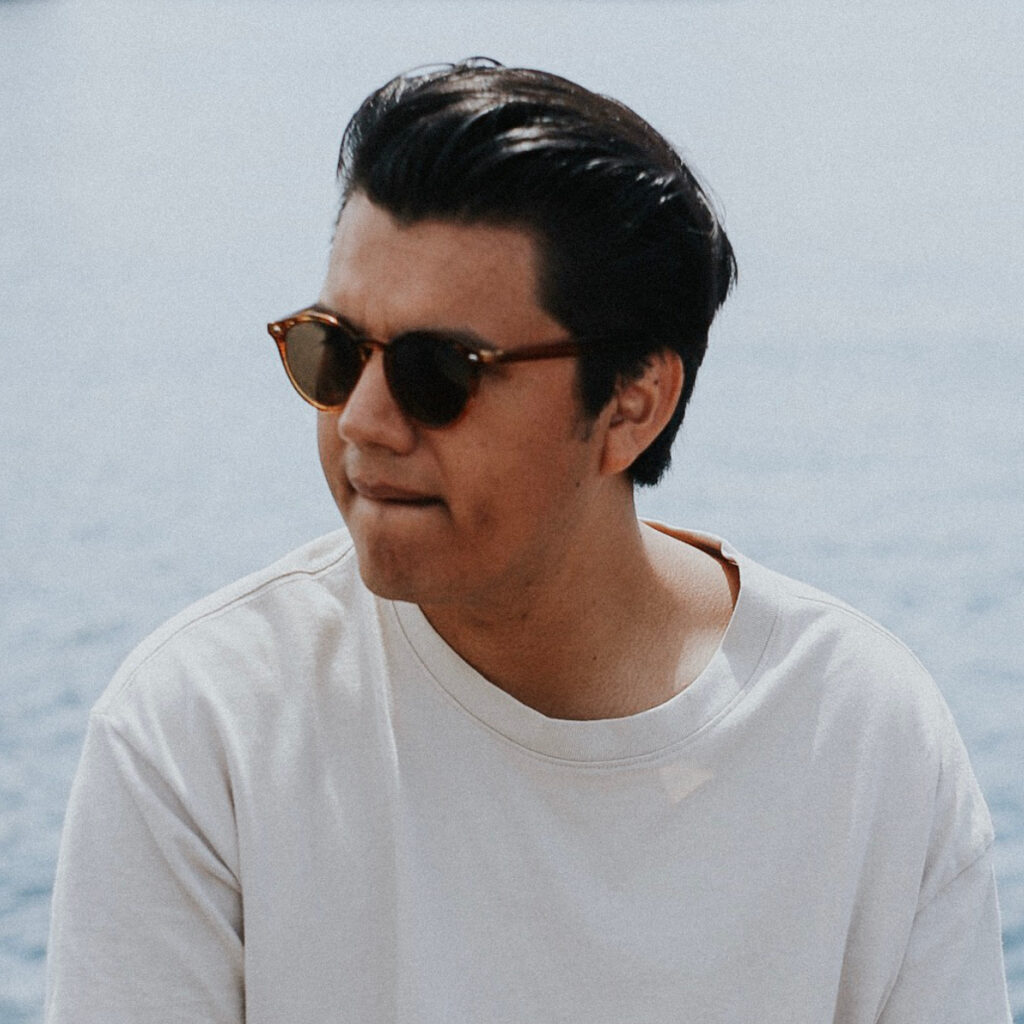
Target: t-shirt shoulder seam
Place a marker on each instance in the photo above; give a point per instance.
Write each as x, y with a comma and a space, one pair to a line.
172, 629
972, 863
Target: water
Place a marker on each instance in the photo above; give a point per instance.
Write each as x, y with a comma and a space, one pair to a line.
166, 188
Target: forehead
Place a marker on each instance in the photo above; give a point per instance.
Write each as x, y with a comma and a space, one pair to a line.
387, 276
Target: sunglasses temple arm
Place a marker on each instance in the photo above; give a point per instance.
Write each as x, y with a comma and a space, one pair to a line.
558, 350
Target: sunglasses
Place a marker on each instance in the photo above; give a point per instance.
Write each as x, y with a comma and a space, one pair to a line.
431, 374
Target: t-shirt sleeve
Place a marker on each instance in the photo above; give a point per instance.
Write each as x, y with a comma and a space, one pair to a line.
146, 917
952, 966
952, 972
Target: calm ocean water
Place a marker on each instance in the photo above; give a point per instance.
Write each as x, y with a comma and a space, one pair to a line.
166, 188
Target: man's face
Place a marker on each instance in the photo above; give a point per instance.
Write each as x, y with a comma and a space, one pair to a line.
476, 513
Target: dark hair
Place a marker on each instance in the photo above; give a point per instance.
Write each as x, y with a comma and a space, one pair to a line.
632, 254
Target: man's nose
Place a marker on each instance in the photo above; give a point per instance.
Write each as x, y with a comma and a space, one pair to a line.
371, 416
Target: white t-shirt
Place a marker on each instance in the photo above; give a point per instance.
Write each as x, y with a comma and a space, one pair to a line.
296, 804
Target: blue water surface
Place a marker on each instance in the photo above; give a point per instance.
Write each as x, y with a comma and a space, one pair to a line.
166, 188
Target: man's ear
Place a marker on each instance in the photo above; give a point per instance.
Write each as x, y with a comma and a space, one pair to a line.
640, 409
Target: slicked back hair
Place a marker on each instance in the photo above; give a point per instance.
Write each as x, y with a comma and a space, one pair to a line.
633, 259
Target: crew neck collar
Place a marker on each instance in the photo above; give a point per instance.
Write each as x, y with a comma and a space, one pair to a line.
603, 741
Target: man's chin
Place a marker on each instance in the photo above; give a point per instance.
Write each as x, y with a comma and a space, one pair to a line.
390, 583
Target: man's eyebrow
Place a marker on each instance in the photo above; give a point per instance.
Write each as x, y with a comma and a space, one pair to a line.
355, 328
321, 308
467, 337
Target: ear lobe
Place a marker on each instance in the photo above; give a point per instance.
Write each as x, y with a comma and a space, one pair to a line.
640, 409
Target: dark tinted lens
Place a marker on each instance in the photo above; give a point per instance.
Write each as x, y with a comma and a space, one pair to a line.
430, 376
324, 362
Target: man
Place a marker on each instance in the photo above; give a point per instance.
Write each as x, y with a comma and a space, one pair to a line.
500, 751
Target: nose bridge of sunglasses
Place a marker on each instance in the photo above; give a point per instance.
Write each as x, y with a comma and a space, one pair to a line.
367, 346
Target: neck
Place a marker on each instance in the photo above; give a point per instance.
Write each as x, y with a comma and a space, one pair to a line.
616, 627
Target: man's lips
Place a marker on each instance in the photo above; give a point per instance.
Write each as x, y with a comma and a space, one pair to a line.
390, 493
